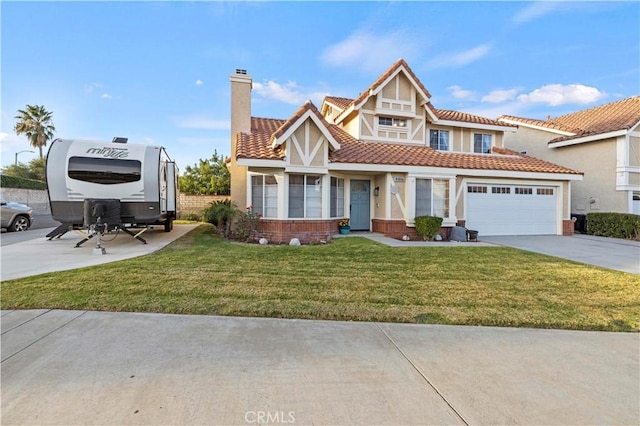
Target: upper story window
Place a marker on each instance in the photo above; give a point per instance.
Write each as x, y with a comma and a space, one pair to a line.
439, 140
393, 122
482, 143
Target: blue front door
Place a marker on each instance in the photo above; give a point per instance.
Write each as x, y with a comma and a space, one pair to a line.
360, 206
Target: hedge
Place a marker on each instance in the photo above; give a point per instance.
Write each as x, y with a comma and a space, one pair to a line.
614, 225
18, 182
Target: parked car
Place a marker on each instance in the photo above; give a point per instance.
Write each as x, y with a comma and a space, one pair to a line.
15, 216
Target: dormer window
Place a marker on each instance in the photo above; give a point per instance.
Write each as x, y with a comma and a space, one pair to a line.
439, 140
482, 143
392, 122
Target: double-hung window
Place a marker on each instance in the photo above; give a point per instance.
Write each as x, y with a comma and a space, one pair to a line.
264, 195
432, 197
336, 208
305, 196
439, 140
482, 143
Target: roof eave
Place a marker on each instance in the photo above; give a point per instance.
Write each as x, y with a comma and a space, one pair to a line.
585, 139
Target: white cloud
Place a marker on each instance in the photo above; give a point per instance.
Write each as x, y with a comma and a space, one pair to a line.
497, 96
289, 93
369, 51
459, 93
534, 11
199, 82
461, 58
558, 94
92, 87
200, 122
106, 96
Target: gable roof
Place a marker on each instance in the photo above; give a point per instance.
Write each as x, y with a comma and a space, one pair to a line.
399, 65
308, 109
615, 116
257, 145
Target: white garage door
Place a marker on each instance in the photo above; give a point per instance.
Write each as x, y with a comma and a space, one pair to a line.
494, 209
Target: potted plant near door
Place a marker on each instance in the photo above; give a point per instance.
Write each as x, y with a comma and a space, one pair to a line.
344, 226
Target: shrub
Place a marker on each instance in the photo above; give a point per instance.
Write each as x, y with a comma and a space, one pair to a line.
19, 182
427, 226
220, 214
614, 225
246, 224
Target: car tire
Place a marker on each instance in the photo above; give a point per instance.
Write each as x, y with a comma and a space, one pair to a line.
19, 224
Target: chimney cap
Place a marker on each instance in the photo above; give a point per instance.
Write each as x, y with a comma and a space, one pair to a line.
241, 71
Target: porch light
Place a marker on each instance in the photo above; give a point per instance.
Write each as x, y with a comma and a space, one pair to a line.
376, 191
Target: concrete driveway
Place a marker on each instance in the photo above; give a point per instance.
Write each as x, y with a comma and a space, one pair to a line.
33, 254
78, 367
612, 253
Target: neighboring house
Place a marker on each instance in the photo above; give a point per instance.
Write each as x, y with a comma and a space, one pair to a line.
603, 142
384, 158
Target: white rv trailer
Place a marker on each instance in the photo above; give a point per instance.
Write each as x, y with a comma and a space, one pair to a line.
142, 177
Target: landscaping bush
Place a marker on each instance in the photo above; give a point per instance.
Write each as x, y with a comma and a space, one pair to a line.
427, 226
18, 182
220, 214
614, 225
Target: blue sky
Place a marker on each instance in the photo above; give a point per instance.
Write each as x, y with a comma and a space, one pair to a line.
158, 72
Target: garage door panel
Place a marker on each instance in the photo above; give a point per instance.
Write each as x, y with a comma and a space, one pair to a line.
524, 213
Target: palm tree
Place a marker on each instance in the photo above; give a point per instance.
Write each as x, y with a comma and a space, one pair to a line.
35, 122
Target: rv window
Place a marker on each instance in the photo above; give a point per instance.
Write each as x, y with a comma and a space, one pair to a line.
106, 171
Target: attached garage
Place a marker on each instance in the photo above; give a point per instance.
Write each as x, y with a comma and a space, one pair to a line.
498, 209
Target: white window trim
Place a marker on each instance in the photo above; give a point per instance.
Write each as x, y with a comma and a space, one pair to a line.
449, 139
410, 197
491, 142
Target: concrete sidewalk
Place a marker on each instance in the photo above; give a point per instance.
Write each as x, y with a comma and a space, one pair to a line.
76, 367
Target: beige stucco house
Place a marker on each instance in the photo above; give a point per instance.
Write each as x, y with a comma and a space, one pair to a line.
384, 158
603, 142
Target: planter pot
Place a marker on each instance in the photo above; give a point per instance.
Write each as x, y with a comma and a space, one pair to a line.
345, 229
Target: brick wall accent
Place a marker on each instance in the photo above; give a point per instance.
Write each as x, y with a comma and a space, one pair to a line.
308, 231
398, 228
568, 227
196, 203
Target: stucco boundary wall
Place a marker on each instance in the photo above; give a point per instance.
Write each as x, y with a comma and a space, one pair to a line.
37, 199
195, 204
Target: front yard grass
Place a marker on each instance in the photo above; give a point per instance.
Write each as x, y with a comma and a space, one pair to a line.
349, 279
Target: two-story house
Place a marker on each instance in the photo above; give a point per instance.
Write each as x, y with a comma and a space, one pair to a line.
603, 142
384, 158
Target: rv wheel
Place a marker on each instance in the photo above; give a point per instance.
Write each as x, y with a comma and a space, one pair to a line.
168, 225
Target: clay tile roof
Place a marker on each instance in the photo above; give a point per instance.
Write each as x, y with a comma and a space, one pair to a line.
354, 151
620, 115
444, 114
257, 143
341, 103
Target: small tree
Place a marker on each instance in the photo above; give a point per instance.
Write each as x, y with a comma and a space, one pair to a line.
427, 226
208, 177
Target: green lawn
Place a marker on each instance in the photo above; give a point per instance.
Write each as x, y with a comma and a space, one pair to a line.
349, 279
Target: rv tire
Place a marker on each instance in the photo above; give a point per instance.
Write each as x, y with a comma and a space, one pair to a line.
168, 225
